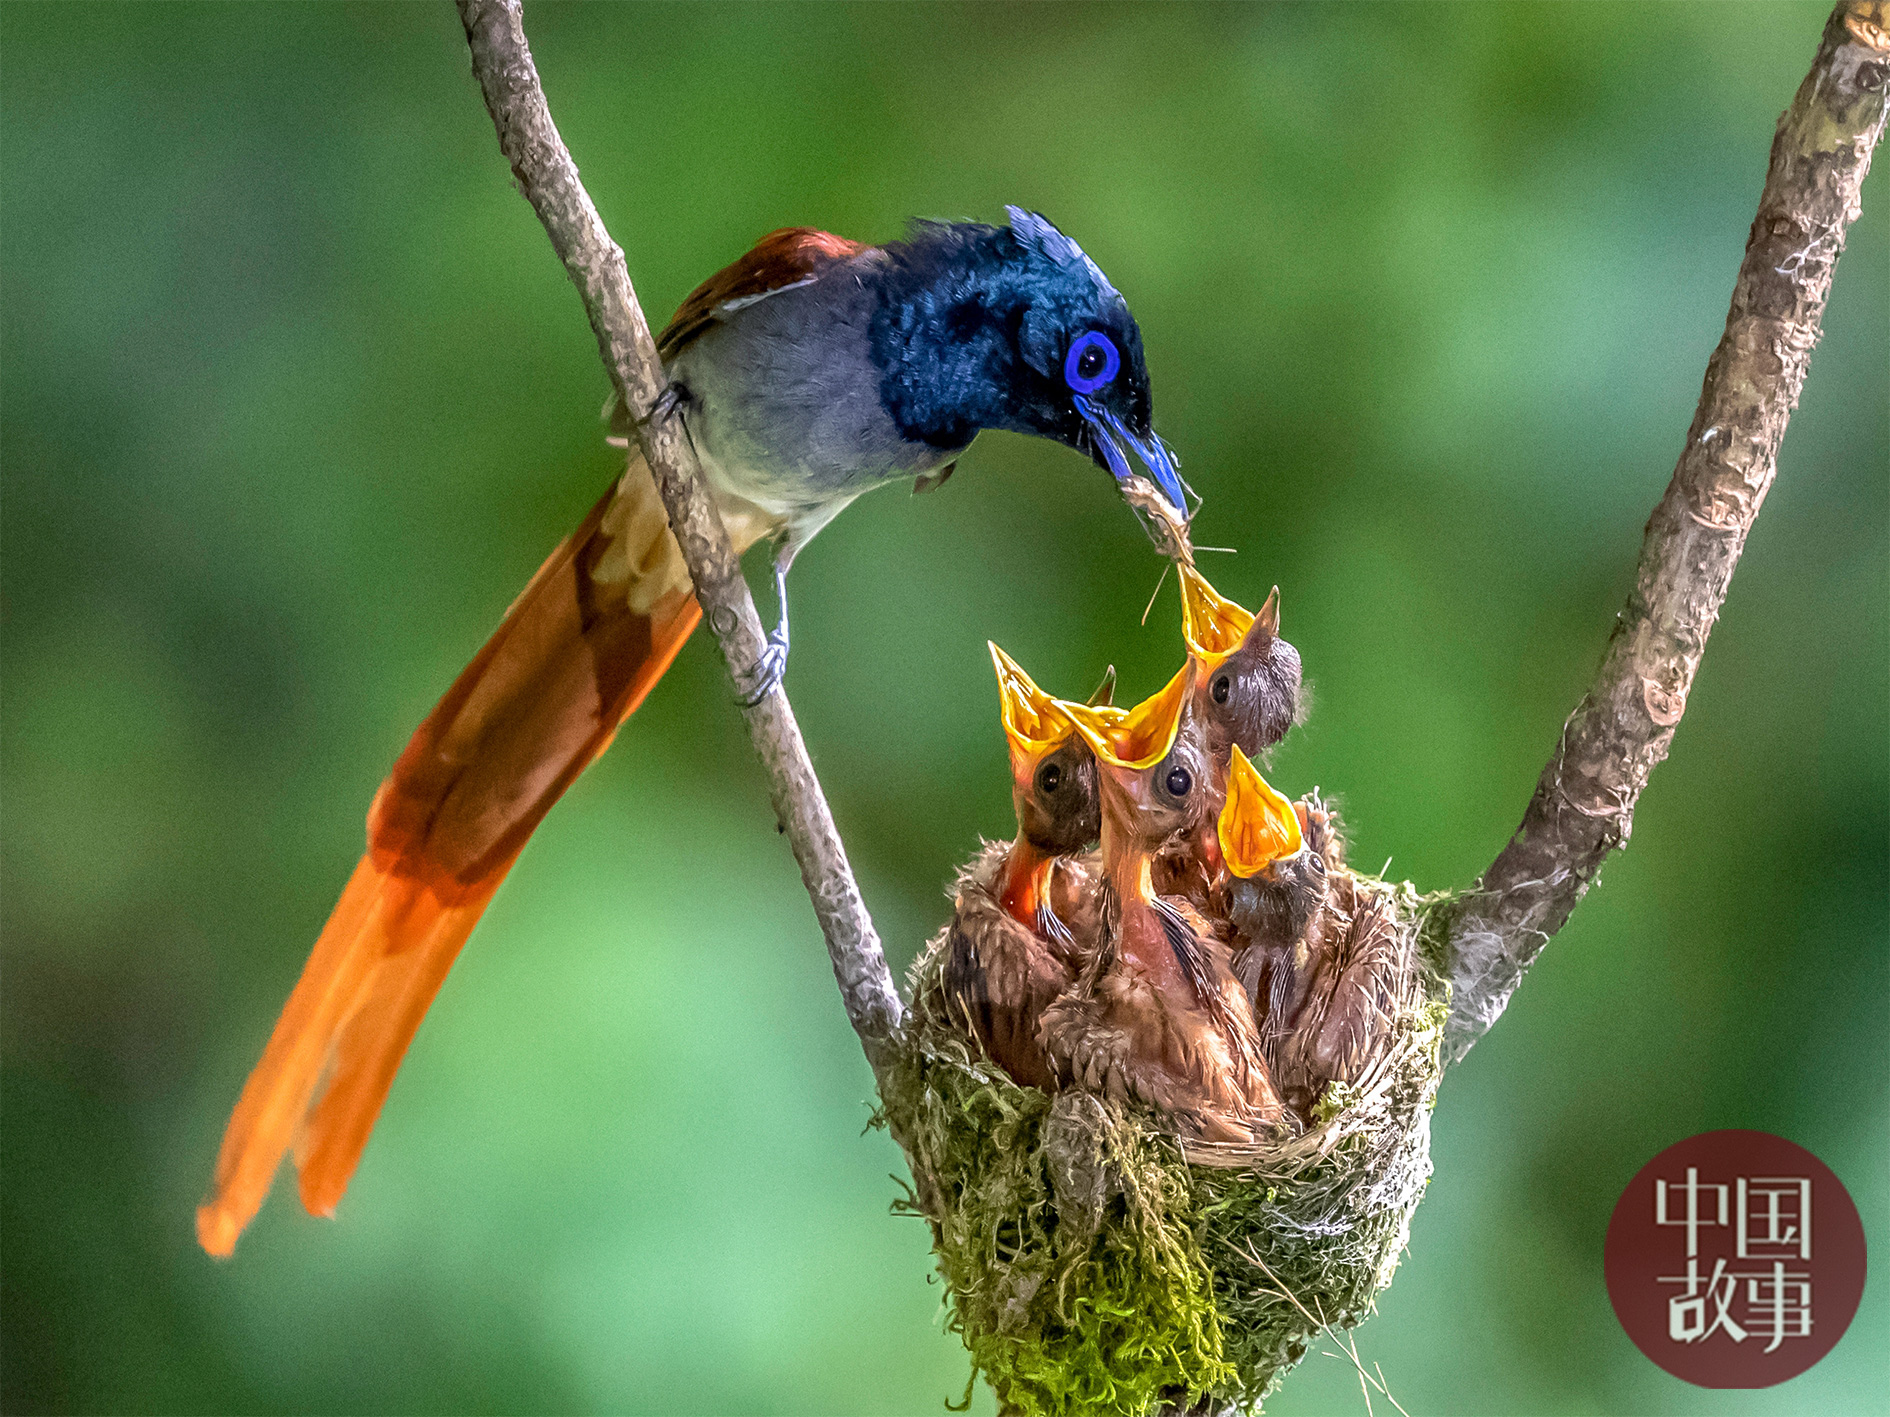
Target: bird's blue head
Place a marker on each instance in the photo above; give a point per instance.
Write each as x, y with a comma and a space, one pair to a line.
1015, 328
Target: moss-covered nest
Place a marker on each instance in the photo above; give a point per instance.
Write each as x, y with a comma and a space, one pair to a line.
1094, 1263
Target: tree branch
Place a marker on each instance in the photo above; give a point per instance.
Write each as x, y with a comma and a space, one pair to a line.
1583, 806
549, 179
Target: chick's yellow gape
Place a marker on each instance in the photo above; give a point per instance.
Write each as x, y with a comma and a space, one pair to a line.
1212, 975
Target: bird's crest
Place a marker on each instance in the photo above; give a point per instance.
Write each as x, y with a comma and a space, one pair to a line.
1036, 233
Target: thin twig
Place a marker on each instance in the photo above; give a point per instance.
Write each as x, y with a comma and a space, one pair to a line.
1583, 806
541, 164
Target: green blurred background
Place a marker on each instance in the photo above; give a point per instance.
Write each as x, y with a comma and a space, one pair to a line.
296, 397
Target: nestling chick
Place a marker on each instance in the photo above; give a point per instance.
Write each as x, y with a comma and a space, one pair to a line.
1247, 695
1158, 1016
1320, 957
1345, 1016
1247, 677
1273, 894
1025, 918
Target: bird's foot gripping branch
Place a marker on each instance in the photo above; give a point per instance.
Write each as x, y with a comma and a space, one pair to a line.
1166, 1100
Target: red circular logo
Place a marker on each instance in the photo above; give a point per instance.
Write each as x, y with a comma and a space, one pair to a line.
1735, 1259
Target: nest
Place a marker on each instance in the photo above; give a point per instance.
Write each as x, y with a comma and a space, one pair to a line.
1095, 1263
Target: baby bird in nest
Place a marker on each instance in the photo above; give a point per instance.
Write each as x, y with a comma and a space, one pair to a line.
1320, 957
1247, 677
1025, 919
1157, 1015
1247, 695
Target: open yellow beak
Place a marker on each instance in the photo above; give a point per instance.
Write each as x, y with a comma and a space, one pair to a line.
1215, 626
1138, 737
1034, 722
1257, 825
1212, 625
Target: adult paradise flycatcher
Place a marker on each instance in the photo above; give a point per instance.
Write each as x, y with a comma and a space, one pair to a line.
811, 370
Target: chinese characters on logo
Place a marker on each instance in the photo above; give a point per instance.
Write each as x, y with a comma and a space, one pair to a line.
1770, 1226
1735, 1259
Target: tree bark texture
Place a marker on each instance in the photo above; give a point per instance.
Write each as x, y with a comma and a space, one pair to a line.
1583, 807
548, 178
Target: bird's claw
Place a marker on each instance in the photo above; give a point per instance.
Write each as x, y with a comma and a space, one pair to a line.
770, 668
673, 397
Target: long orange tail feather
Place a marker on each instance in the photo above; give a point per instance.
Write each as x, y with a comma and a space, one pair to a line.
371, 1044
577, 652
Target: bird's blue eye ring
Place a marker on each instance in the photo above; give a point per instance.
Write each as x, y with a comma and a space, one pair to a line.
1091, 362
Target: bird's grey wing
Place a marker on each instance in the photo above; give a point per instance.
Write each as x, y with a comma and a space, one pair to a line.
780, 261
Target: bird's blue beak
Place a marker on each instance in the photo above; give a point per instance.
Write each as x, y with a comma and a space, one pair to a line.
1112, 435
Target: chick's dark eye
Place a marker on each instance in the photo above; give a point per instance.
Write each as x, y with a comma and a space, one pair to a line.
1223, 686
1091, 363
1050, 777
1180, 782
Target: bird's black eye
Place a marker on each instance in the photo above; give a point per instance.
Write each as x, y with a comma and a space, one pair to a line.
1048, 779
1091, 363
1223, 686
1180, 782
